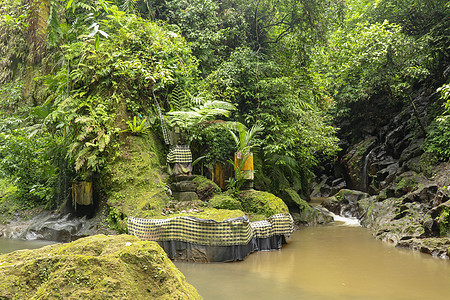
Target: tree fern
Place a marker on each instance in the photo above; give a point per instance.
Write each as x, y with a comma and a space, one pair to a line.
129, 5
178, 99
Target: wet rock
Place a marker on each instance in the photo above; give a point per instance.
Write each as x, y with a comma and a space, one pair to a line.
424, 194
337, 185
414, 149
321, 188
405, 183
387, 175
441, 217
413, 164
312, 215
381, 165
394, 220
376, 213
345, 203
395, 141
437, 247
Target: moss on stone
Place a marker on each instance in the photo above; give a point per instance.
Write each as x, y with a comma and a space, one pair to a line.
224, 201
133, 180
218, 215
206, 188
97, 267
444, 222
262, 203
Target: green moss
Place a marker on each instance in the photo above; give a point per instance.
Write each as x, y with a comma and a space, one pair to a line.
133, 180
206, 188
224, 201
262, 203
218, 215
406, 184
444, 221
97, 267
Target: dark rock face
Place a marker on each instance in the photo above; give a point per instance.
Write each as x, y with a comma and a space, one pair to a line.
206, 188
355, 163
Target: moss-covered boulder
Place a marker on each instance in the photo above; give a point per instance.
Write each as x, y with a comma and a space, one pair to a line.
262, 203
218, 215
206, 188
97, 267
224, 201
345, 203
306, 215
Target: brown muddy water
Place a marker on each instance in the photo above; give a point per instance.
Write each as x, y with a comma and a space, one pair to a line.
10, 245
326, 262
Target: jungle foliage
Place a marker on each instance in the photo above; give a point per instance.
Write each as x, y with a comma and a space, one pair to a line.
89, 69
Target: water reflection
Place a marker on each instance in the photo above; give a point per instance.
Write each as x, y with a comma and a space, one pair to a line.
329, 262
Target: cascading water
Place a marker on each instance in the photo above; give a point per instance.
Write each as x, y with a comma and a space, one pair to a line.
364, 170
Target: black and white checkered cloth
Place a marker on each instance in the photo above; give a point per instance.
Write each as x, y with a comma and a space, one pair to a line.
180, 154
163, 124
237, 231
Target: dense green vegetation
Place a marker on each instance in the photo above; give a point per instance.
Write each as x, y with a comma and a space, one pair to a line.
78, 76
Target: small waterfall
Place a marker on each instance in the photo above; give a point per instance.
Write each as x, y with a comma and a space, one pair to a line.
345, 221
341, 221
364, 172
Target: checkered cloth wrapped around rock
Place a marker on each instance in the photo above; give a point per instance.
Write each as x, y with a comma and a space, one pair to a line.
180, 154
236, 231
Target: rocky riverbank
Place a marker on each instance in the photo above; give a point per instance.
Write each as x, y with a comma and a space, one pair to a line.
384, 177
416, 220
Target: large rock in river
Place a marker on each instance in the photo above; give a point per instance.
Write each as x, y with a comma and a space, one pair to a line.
96, 267
345, 203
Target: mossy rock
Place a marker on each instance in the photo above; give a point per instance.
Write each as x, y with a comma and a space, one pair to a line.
444, 220
96, 267
218, 215
133, 180
307, 215
262, 203
437, 247
224, 201
206, 188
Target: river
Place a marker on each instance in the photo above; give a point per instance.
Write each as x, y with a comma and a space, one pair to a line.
9, 245
340, 261
325, 262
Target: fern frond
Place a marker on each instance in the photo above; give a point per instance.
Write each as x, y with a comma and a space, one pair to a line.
129, 6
